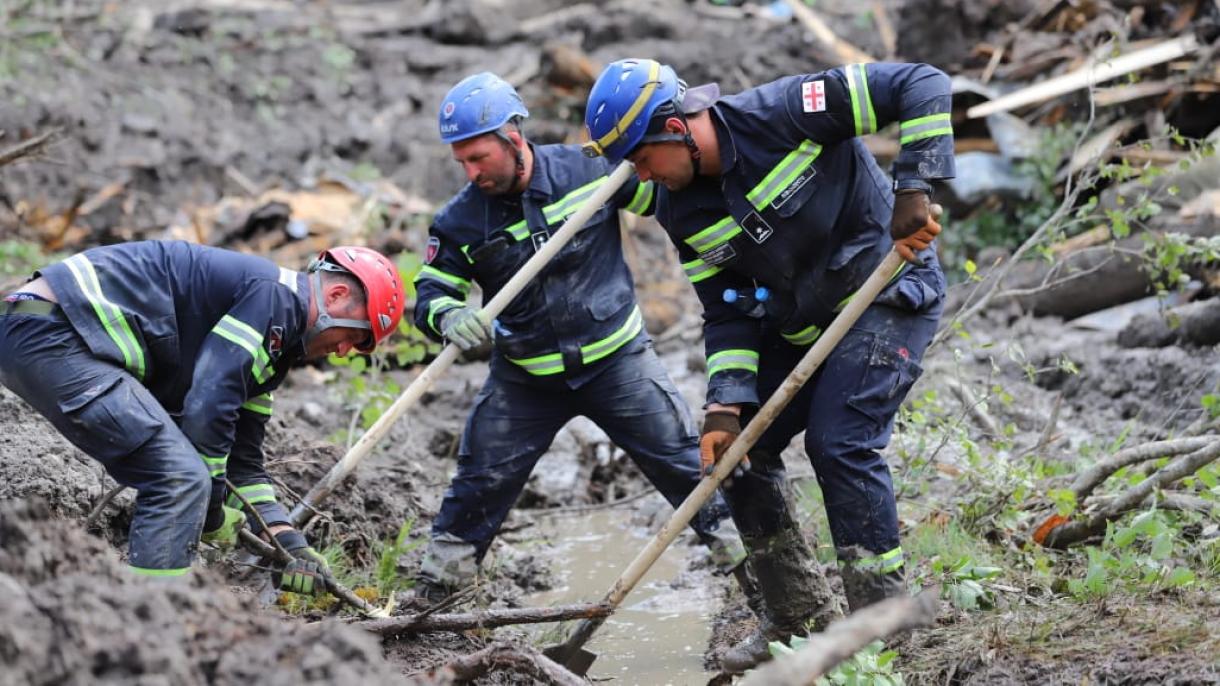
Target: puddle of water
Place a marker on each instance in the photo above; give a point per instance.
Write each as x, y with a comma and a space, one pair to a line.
658, 634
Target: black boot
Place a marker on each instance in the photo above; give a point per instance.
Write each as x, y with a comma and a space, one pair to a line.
794, 590
870, 578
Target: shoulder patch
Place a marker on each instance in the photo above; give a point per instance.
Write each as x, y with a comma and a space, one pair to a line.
813, 96
434, 247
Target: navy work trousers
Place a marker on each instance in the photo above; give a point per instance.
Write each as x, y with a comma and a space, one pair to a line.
847, 412
108, 414
515, 419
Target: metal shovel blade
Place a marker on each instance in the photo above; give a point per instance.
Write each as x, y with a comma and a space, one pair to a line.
577, 661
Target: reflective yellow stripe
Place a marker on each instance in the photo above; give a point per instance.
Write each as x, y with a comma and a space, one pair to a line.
144, 571
642, 198
568, 204
542, 365
430, 272
519, 231
861, 100
720, 232
732, 359
108, 313
599, 349
552, 363
698, 270
925, 127
466, 253
784, 174
246, 337
255, 493
805, 336
216, 465
654, 79
884, 563
261, 404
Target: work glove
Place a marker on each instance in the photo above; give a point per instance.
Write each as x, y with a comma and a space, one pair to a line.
465, 327
720, 429
913, 225
225, 535
305, 574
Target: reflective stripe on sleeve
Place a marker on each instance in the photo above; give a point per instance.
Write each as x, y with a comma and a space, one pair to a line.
249, 339
861, 100
430, 272
261, 404
732, 359
924, 127
642, 198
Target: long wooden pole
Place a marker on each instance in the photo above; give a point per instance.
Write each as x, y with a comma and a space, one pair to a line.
322, 490
724, 467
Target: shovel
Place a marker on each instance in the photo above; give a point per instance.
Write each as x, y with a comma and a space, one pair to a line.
305, 510
572, 653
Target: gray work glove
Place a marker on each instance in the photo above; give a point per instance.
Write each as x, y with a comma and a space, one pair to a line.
465, 327
305, 573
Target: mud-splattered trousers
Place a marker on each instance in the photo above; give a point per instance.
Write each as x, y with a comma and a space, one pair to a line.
159, 362
515, 419
800, 207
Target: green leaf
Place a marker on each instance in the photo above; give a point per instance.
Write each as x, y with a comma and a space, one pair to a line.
1180, 576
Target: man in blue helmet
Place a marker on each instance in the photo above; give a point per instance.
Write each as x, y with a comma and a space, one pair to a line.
572, 343
779, 214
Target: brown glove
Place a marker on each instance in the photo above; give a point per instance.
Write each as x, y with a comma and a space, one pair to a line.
914, 224
720, 429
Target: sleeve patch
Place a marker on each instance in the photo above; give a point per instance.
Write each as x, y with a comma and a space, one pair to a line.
433, 248
813, 96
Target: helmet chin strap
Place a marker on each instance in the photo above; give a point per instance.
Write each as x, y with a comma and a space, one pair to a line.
324, 321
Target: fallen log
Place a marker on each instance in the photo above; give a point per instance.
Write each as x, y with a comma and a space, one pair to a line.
484, 619
1056, 533
845, 638
1092, 477
1197, 323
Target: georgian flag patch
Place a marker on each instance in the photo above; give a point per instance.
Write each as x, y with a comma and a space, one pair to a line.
813, 96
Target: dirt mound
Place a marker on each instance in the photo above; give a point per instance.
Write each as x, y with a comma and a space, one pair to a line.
73, 615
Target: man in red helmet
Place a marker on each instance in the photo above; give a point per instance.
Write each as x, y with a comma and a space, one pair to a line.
158, 360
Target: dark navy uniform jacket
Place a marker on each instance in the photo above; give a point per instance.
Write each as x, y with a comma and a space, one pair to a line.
209, 332
581, 308
801, 206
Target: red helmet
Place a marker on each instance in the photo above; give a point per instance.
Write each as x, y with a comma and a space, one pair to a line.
382, 283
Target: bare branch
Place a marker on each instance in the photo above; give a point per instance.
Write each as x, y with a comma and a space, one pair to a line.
31, 148
1092, 477
847, 637
485, 619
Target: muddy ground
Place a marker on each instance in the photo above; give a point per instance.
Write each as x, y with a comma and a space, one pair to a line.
166, 99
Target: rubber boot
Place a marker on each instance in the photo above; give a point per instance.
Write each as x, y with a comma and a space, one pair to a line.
869, 578
796, 596
449, 564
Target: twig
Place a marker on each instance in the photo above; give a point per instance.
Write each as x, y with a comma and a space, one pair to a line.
263, 549
484, 619
101, 505
974, 406
522, 659
992, 283
34, 146
262, 523
845, 638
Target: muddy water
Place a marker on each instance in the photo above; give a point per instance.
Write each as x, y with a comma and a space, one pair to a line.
659, 634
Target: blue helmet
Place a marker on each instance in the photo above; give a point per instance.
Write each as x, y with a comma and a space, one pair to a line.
478, 104
623, 102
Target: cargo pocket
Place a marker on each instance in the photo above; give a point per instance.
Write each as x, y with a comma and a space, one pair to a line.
887, 378
679, 409
111, 419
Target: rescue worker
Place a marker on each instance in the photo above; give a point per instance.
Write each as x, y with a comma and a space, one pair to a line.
779, 214
158, 359
572, 343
